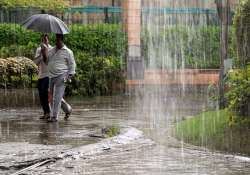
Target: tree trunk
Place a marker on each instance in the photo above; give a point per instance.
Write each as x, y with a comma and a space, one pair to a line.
223, 8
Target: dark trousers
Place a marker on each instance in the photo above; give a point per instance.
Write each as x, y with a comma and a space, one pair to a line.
43, 86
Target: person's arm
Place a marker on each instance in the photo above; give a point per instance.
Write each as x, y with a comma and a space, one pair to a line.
38, 56
44, 52
71, 64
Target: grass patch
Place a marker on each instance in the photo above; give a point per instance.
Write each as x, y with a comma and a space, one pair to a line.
111, 131
218, 130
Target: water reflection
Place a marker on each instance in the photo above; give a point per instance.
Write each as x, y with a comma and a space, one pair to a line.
47, 133
153, 112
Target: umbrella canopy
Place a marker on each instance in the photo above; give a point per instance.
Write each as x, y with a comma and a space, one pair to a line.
46, 23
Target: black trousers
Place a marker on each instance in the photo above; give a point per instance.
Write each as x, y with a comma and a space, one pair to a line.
43, 86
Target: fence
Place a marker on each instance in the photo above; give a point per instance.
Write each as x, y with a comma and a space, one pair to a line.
108, 14
17, 15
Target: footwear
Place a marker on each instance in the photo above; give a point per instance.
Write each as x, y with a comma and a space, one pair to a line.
42, 117
67, 115
52, 119
45, 116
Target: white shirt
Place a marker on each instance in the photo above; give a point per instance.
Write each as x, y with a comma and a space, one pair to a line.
61, 61
42, 67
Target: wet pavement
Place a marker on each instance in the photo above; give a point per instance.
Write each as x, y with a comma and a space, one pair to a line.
24, 137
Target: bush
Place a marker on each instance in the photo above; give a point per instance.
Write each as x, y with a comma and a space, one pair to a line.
98, 51
14, 34
16, 72
18, 50
238, 94
97, 40
237, 81
95, 75
195, 47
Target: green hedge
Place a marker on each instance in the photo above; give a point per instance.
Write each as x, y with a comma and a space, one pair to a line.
96, 75
97, 40
11, 34
197, 46
99, 51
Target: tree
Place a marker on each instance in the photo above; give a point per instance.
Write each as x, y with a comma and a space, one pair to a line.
223, 9
54, 5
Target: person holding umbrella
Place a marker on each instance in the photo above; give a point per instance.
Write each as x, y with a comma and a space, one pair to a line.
43, 77
61, 68
60, 60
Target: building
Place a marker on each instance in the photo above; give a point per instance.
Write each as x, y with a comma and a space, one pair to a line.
93, 11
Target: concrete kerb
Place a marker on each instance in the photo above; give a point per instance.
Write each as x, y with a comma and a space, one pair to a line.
128, 135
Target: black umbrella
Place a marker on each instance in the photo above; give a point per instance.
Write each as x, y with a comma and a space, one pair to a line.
46, 23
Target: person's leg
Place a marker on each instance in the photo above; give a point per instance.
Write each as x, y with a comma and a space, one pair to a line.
40, 91
58, 92
44, 100
51, 92
67, 109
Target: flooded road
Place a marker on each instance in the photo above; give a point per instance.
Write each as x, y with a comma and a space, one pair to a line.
154, 113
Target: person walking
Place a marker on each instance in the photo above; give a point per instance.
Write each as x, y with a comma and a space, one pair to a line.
43, 76
61, 68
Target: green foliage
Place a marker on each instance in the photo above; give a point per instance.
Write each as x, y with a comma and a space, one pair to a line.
238, 94
237, 81
111, 131
242, 31
95, 75
11, 34
54, 5
212, 90
203, 127
220, 130
198, 46
18, 50
97, 40
99, 51
16, 72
